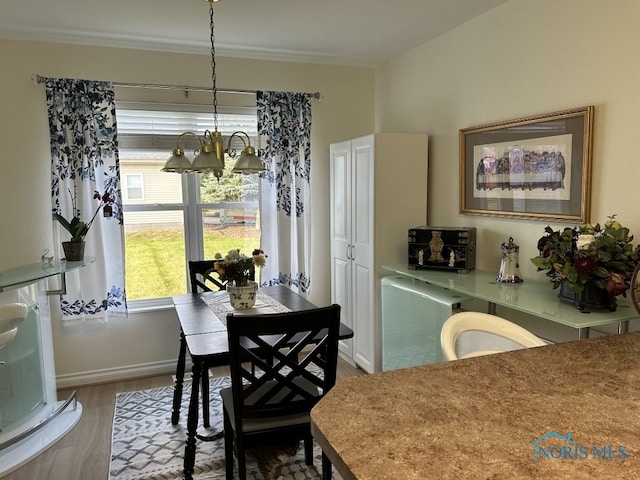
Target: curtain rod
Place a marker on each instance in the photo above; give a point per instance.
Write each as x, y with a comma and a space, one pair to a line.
39, 79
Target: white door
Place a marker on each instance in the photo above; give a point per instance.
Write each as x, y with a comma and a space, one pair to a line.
340, 205
362, 257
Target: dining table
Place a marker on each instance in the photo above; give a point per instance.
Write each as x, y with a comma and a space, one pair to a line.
203, 336
565, 410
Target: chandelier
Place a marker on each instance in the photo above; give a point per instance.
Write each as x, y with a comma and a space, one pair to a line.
210, 157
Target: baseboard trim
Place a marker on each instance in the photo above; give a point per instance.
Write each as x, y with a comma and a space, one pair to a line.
116, 374
347, 359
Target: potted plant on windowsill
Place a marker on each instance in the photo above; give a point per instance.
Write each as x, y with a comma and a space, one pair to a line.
238, 270
77, 228
590, 264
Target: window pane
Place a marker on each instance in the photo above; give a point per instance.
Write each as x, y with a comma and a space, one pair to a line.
154, 237
230, 228
233, 222
155, 254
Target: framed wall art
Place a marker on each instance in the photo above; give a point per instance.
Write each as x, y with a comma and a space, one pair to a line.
536, 167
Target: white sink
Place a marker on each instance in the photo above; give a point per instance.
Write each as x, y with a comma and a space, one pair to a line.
11, 315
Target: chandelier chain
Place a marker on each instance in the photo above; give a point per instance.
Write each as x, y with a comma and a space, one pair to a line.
213, 67
210, 157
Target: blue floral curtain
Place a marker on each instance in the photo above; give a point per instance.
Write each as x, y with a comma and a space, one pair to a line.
284, 126
84, 166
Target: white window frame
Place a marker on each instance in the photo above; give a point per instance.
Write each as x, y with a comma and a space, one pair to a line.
190, 207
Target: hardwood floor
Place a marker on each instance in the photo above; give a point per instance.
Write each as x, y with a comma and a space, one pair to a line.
84, 453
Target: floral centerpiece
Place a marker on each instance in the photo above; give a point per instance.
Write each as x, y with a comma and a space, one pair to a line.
589, 255
237, 267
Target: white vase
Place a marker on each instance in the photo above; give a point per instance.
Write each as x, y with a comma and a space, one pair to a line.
242, 297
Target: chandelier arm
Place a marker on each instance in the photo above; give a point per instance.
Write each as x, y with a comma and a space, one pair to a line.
187, 133
248, 162
232, 152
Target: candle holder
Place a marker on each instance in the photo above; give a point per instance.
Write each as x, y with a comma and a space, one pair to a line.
509, 266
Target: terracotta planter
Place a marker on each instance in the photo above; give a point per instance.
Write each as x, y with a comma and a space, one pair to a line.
73, 251
243, 297
591, 298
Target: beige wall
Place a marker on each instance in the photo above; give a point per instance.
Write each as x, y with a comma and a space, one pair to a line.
524, 57
147, 341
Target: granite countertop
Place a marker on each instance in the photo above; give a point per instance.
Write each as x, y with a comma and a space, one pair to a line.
486, 417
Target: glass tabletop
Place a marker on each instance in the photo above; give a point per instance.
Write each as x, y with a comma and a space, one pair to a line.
532, 297
31, 273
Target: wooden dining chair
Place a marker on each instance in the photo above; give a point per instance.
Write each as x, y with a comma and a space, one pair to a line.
203, 277
269, 402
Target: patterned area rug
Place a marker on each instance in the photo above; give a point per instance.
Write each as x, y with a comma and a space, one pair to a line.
146, 446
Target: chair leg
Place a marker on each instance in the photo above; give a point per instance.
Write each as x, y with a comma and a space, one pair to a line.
242, 461
326, 468
228, 445
308, 450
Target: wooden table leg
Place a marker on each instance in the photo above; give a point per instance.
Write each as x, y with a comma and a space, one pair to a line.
177, 391
192, 421
205, 397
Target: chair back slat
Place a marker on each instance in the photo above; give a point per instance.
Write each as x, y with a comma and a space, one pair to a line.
201, 272
283, 363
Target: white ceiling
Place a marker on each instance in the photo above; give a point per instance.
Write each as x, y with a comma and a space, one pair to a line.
345, 32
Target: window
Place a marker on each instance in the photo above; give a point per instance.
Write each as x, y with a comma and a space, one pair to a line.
134, 187
170, 218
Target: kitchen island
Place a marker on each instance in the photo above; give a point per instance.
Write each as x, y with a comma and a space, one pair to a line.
566, 410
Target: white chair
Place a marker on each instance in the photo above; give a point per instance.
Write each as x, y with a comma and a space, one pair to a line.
473, 334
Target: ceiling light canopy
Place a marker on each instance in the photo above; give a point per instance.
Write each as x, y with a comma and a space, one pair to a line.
210, 157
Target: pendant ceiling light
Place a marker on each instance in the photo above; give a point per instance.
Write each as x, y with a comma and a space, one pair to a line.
210, 157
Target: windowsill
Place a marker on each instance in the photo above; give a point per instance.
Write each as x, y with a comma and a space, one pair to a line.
152, 305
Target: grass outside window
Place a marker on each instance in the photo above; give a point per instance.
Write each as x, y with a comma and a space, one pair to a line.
155, 258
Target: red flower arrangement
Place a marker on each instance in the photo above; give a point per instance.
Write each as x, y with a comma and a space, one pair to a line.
589, 253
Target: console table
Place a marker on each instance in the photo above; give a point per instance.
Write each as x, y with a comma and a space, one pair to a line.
532, 297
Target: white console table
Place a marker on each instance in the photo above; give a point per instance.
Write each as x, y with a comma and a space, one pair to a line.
31, 417
535, 298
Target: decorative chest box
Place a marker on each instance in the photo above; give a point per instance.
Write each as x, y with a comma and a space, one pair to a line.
442, 248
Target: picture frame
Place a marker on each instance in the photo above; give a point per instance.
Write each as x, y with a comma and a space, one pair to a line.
537, 167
